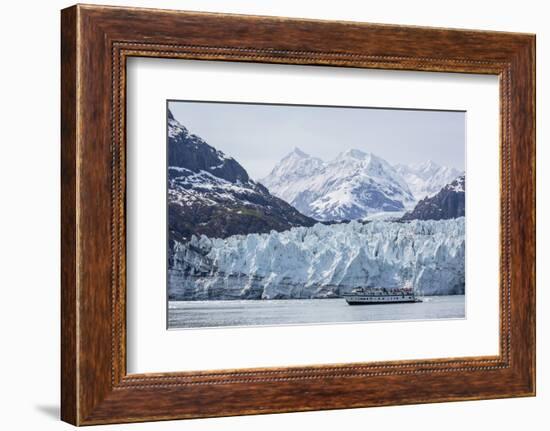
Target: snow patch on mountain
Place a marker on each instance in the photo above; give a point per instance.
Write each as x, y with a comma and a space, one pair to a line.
322, 261
207, 188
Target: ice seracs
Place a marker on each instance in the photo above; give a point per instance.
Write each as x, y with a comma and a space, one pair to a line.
322, 261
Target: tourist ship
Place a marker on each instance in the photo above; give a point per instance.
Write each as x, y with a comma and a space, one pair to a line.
364, 296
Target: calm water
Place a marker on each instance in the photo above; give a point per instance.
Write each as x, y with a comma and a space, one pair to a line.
203, 314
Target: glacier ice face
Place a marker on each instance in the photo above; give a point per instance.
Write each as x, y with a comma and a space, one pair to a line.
322, 261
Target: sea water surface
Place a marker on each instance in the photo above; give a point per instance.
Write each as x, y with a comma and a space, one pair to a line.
265, 312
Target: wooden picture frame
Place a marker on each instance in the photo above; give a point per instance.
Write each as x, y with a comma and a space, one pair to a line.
96, 41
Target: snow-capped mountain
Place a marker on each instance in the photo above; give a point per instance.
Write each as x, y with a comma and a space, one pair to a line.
352, 186
449, 203
426, 179
211, 193
322, 261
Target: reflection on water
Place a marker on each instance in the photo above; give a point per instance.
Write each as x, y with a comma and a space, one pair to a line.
204, 314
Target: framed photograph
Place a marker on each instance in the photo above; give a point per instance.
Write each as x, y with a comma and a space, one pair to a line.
295, 238
264, 215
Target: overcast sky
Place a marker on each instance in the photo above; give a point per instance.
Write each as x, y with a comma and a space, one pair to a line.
258, 136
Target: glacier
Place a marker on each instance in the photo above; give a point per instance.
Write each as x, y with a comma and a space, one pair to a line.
322, 261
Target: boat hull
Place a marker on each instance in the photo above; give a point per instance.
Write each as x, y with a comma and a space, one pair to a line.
374, 300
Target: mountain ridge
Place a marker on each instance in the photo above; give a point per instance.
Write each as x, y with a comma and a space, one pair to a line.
210, 193
350, 186
427, 178
448, 203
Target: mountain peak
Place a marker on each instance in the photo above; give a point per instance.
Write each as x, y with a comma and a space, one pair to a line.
175, 128
348, 187
297, 152
427, 178
429, 166
448, 203
458, 185
430, 162
210, 193
354, 154
191, 152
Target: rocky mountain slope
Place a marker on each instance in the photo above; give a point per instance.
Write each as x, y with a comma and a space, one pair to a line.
322, 261
447, 204
210, 193
352, 186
